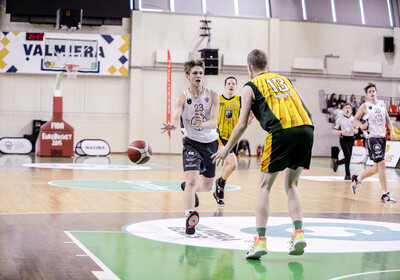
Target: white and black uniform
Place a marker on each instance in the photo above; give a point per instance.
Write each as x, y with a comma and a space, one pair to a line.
376, 141
199, 143
346, 141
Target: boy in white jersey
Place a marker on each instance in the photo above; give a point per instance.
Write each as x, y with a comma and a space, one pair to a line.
345, 127
378, 118
197, 108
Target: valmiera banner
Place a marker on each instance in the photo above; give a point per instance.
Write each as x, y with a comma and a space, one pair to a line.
44, 53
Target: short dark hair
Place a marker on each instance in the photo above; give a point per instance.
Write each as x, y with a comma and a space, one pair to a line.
347, 104
370, 85
231, 77
257, 59
193, 63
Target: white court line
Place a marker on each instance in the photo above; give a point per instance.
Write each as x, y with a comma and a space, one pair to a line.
364, 273
101, 275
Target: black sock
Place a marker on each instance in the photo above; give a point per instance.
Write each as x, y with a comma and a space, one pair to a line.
221, 182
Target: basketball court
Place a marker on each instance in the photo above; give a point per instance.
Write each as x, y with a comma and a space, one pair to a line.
67, 215
106, 218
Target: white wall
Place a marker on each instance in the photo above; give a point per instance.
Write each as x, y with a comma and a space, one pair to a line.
120, 110
281, 40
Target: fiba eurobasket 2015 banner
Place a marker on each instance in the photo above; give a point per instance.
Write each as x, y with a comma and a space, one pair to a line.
40, 53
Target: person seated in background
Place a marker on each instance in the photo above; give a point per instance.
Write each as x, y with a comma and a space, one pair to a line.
332, 101
331, 106
341, 100
338, 112
362, 100
353, 102
243, 146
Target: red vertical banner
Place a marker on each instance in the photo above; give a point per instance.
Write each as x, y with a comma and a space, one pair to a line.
169, 91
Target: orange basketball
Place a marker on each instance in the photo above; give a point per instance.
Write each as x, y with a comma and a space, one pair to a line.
139, 152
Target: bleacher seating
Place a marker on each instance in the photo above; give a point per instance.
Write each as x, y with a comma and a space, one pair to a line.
392, 110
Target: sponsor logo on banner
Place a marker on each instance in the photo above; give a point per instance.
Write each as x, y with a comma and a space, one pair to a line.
358, 155
92, 147
236, 233
14, 145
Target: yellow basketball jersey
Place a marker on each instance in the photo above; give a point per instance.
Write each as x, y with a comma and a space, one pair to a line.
277, 104
229, 110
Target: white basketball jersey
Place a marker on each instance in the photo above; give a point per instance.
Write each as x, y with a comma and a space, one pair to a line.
376, 116
345, 123
202, 105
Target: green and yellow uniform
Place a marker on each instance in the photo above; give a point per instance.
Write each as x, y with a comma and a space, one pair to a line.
280, 111
229, 110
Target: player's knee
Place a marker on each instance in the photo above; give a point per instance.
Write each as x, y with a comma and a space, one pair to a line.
191, 183
381, 165
233, 166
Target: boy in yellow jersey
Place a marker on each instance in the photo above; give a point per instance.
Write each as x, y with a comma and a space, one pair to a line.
229, 110
281, 112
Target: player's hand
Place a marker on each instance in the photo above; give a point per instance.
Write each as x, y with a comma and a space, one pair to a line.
364, 126
392, 136
167, 127
220, 155
345, 132
198, 119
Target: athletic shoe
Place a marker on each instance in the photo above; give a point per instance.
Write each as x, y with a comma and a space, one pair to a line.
335, 165
219, 190
386, 198
220, 202
297, 243
196, 198
258, 249
191, 221
347, 178
354, 183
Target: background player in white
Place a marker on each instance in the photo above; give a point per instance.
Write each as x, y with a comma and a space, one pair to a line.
378, 117
345, 127
197, 107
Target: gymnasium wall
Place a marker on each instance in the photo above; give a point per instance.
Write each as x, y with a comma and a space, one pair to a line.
120, 110
282, 40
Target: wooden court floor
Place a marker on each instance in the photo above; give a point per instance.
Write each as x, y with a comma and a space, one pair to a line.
70, 218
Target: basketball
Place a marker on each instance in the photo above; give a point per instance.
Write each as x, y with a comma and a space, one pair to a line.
139, 152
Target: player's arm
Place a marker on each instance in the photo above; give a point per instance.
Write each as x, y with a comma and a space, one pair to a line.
213, 121
361, 112
176, 114
390, 125
251, 117
240, 127
336, 129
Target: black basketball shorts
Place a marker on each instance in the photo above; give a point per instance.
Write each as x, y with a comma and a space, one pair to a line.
197, 156
376, 148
